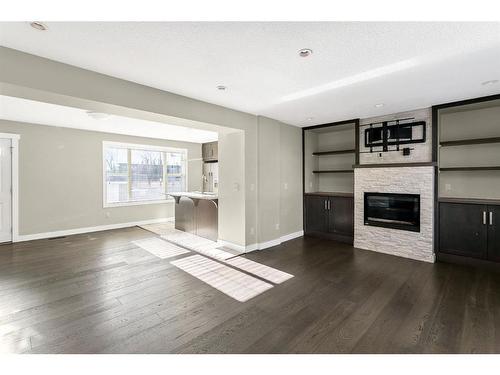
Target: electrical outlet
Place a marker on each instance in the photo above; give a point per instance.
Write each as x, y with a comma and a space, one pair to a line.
447, 187
277, 226
310, 184
285, 185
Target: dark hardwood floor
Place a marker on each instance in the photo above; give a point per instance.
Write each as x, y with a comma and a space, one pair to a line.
98, 293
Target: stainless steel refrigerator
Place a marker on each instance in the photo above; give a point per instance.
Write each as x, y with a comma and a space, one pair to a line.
211, 177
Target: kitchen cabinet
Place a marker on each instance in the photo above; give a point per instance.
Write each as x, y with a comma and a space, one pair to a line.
330, 216
210, 151
470, 229
197, 213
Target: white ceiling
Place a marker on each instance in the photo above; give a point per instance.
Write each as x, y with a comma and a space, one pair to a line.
29, 111
405, 65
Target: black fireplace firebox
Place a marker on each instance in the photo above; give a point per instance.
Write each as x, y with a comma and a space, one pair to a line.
391, 210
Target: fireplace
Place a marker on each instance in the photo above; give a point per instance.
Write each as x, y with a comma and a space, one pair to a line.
391, 210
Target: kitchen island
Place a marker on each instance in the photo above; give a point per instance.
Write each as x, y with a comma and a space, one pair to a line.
197, 213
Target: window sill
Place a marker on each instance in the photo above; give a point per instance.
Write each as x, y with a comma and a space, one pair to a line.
138, 203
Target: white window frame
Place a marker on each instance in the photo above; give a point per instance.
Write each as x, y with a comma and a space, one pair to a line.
106, 144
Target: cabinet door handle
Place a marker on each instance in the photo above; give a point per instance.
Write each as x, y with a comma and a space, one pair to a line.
484, 217
326, 204
491, 217
329, 205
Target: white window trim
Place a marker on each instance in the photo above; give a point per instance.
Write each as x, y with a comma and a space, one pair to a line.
134, 146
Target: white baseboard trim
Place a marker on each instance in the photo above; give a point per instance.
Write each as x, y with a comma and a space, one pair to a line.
267, 244
291, 236
233, 246
262, 245
278, 241
69, 232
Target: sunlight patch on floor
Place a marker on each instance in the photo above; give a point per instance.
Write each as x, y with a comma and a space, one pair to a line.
229, 281
265, 272
160, 248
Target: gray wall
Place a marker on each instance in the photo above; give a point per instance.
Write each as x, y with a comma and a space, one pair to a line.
36, 78
290, 179
231, 186
279, 179
60, 178
269, 181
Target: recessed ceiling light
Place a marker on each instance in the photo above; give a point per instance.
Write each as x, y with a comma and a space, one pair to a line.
38, 25
379, 105
97, 115
305, 52
221, 88
490, 82
310, 118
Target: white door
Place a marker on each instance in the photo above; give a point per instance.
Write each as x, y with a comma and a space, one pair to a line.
5, 190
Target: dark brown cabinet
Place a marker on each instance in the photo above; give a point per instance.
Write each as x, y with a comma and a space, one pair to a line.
316, 214
330, 217
494, 233
341, 218
470, 230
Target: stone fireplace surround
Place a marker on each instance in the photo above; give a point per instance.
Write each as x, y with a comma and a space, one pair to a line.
404, 179
377, 176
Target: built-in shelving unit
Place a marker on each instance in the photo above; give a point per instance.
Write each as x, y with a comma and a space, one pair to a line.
329, 153
469, 149
468, 203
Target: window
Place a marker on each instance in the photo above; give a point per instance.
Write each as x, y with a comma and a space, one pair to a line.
138, 174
